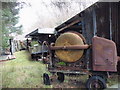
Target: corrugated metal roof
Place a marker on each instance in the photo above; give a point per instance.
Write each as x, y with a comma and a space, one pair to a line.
41, 31
46, 31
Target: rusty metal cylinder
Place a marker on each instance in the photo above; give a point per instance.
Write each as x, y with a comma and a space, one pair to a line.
71, 42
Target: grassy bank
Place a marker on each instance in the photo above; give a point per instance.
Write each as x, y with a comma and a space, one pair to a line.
22, 72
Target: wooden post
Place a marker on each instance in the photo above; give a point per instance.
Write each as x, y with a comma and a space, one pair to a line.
10, 41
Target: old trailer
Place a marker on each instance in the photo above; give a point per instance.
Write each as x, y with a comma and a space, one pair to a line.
36, 45
88, 43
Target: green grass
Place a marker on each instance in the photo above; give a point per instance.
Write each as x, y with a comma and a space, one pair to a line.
22, 72
113, 80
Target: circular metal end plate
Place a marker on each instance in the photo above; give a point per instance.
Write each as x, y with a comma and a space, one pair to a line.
68, 39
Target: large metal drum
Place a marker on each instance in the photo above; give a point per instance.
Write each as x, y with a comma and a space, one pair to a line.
69, 39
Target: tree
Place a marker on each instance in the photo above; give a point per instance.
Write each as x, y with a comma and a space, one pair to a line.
10, 18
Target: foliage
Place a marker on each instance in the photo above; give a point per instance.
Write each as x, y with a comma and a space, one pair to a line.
62, 63
10, 18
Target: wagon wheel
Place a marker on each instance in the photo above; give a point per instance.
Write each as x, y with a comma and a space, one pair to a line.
61, 77
96, 82
46, 79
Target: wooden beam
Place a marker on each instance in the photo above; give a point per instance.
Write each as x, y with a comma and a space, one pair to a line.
75, 27
67, 26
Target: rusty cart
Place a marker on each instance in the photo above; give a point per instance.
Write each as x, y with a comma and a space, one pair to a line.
87, 43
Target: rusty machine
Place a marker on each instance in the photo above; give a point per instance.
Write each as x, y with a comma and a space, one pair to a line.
88, 43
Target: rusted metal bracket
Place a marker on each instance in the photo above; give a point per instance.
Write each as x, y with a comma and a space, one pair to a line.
72, 47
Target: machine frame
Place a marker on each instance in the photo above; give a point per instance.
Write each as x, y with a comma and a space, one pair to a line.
102, 20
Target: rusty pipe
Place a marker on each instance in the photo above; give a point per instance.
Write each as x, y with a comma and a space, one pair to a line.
72, 47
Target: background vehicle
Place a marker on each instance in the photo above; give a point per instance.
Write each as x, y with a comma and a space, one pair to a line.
36, 45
